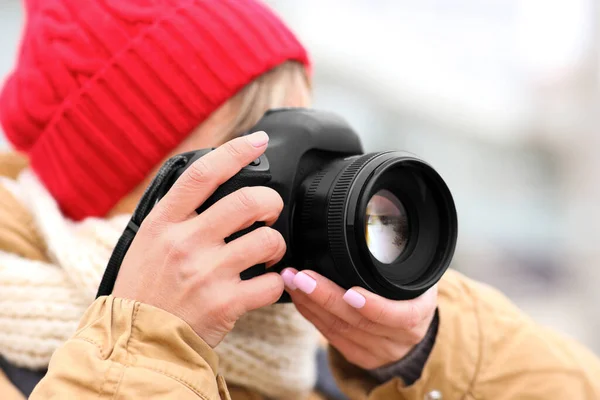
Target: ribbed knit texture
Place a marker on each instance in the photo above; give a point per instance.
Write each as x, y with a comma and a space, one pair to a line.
105, 89
271, 350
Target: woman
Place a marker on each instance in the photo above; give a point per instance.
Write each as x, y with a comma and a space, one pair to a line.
103, 92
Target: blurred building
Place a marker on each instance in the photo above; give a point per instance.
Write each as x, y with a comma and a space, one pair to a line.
502, 97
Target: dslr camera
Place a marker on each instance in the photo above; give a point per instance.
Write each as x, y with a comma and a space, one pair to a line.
385, 221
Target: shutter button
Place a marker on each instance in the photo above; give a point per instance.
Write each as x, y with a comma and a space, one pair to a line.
255, 163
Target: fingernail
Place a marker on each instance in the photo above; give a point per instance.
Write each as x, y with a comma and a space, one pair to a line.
258, 139
304, 282
354, 299
288, 279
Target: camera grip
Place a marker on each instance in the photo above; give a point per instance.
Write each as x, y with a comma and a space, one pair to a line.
256, 174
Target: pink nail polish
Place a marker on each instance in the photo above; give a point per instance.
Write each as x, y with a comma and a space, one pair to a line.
305, 282
288, 279
258, 139
354, 299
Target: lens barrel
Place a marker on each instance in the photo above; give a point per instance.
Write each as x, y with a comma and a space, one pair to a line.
384, 221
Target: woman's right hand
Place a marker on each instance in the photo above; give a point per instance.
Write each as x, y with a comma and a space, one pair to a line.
179, 260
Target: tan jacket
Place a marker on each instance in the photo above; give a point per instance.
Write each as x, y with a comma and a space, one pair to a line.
485, 349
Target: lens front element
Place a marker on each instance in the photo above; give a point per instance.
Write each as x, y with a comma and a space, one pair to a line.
387, 229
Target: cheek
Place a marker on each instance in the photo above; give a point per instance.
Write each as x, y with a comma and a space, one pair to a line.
209, 134
299, 98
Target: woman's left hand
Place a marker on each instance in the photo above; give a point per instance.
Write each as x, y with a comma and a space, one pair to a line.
369, 330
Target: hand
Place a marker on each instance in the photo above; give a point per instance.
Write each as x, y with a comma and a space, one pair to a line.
368, 330
179, 260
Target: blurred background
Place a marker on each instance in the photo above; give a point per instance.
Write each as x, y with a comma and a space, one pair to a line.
502, 97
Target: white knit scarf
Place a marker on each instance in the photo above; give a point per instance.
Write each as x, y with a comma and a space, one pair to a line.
271, 350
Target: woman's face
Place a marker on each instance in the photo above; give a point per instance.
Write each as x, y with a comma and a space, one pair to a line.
211, 133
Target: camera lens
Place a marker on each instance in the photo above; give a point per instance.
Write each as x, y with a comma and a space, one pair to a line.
387, 227
383, 221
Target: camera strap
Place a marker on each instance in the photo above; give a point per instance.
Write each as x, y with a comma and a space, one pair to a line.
149, 199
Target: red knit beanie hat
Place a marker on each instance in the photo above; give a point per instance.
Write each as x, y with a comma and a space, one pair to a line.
104, 89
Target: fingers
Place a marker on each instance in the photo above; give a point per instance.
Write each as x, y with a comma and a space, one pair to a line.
353, 322
381, 350
239, 210
361, 308
353, 351
262, 245
260, 291
204, 176
327, 295
405, 315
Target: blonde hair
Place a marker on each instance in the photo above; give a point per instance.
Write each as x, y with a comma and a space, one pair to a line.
280, 87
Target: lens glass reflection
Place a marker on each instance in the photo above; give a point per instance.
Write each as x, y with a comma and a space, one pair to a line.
387, 229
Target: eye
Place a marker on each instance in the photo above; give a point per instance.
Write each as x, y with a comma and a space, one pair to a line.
401, 231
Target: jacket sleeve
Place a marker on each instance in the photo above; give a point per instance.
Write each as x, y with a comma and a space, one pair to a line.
128, 350
485, 348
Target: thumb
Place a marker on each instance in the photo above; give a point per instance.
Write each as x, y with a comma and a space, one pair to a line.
260, 291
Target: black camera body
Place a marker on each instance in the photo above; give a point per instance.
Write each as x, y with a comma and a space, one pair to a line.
384, 221
313, 161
